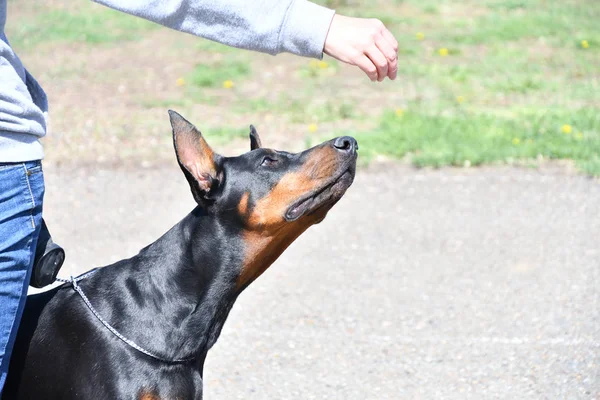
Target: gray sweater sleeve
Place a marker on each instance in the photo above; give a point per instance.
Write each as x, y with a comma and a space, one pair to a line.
269, 26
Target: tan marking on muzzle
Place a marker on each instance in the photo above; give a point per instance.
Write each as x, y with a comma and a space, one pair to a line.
269, 211
268, 233
243, 205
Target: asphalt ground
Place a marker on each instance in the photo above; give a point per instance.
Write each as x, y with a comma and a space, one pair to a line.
420, 284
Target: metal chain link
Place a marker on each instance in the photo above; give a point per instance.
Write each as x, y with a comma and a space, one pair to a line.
131, 343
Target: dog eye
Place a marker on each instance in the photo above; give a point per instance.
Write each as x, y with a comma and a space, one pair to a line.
268, 162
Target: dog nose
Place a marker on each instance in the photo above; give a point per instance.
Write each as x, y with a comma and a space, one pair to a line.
346, 144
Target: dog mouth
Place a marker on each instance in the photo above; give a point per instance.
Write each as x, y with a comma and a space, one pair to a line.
327, 195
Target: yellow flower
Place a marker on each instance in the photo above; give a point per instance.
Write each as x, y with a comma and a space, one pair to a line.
399, 112
228, 84
323, 64
443, 52
579, 136
420, 35
180, 82
460, 99
566, 129
314, 64
312, 128
516, 141
585, 44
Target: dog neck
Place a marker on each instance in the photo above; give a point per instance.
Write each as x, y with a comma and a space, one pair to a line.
185, 284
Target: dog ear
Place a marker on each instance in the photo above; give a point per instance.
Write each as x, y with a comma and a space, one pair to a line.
254, 139
195, 157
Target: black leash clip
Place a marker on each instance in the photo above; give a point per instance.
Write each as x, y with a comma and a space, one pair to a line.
49, 257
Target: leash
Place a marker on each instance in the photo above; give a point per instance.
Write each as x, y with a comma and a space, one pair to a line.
129, 342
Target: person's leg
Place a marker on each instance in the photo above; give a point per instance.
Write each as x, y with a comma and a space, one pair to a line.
21, 197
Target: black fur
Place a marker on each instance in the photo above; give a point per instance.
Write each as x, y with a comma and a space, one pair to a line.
172, 299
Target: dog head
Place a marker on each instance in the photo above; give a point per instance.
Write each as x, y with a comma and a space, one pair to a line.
270, 196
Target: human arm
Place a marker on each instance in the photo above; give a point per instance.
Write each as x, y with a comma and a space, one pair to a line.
268, 26
274, 26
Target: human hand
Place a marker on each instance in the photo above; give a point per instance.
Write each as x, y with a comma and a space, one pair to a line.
365, 43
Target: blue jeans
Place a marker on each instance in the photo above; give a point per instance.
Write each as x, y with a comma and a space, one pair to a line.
21, 197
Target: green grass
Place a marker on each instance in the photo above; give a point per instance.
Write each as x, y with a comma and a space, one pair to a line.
319, 69
90, 23
559, 23
213, 75
521, 72
300, 110
328, 111
214, 47
210, 76
516, 72
219, 135
461, 138
254, 105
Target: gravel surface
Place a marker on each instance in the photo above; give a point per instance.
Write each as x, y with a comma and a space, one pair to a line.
447, 284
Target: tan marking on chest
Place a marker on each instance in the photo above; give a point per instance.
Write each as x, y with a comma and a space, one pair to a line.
148, 395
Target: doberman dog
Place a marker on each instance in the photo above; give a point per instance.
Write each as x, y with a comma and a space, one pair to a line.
173, 297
